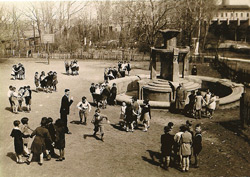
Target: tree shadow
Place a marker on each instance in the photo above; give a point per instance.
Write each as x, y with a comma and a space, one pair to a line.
155, 158
12, 156
235, 126
85, 136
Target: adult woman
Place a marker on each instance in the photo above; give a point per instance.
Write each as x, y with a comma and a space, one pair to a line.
38, 146
146, 115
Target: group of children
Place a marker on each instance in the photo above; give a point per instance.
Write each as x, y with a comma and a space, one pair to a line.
197, 103
73, 65
178, 148
102, 94
46, 82
113, 72
47, 137
18, 71
16, 98
132, 113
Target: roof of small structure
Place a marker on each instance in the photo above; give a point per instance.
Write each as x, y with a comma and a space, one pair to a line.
169, 33
234, 7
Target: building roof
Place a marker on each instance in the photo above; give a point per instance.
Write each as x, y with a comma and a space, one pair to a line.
234, 7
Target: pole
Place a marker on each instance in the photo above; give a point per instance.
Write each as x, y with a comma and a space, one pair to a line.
48, 51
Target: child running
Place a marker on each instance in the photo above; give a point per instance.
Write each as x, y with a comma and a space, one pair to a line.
98, 121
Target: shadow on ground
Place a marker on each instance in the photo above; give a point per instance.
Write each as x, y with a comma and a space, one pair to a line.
155, 158
85, 136
235, 126
12, 156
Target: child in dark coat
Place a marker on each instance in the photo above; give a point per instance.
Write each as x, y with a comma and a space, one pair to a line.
197, 144
167, 142
18, 140
51, 128
60, 138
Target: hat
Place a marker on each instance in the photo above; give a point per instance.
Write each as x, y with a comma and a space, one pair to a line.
166, 129
66, 90
189, 123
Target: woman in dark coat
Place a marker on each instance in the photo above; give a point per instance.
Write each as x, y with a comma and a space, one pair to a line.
38, 146
60, 138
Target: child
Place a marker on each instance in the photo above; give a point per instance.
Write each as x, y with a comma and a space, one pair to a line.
27, 97
9, 94
129, 118
212, 105
14, 99
185, 148
198, 104
167, 142
98, 121
83, 106
197, 145
51, 128
26, 131
18, 140
36, 79
207, 98
38, 145
123, 114
55, 81
67, 67
146, 115
60, 138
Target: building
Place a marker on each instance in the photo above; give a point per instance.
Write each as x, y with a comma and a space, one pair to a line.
231, 22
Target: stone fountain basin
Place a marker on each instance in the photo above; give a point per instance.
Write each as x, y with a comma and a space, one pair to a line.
228, 91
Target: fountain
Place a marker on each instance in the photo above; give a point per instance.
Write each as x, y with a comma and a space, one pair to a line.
162, 88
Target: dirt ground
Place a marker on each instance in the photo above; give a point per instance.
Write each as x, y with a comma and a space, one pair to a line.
226, 150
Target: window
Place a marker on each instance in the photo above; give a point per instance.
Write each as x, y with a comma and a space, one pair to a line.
236, 14
241, 14
232, 14
247, 14
226, 14
221, 15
